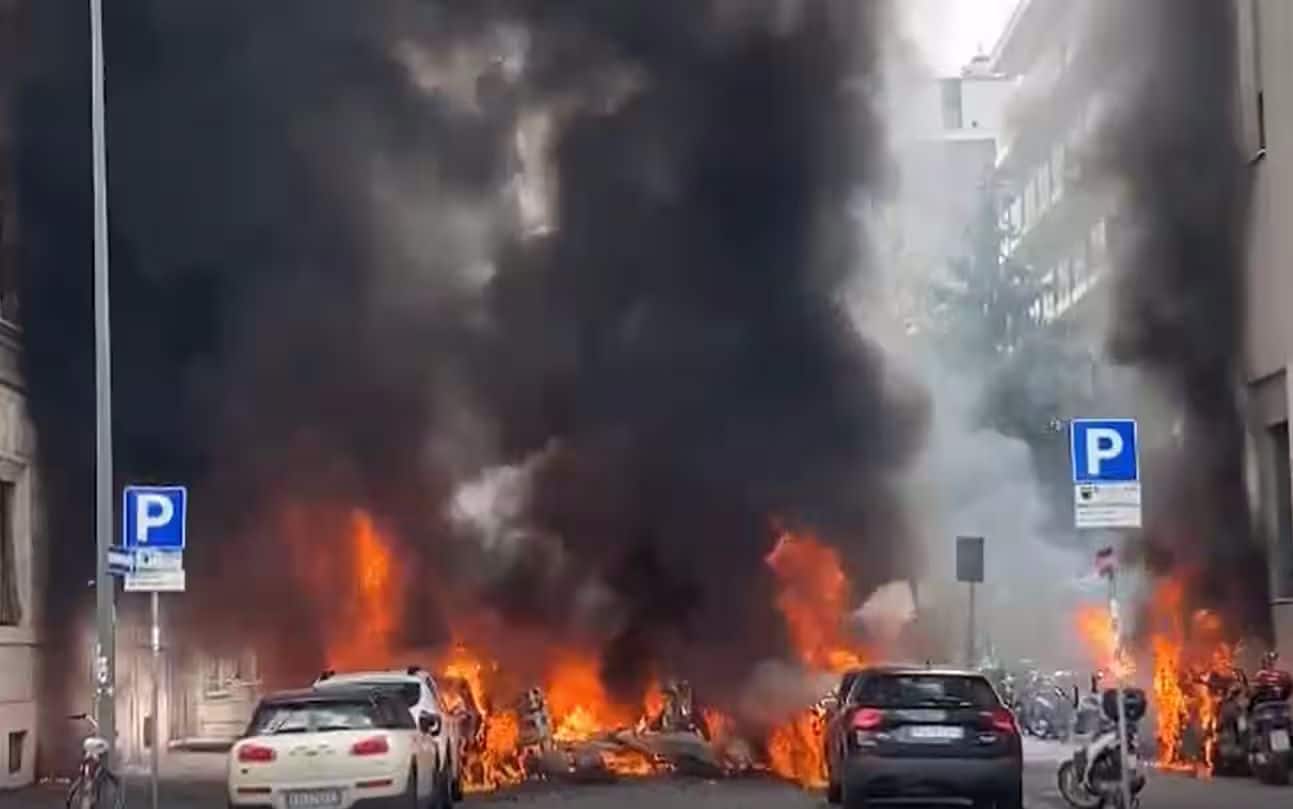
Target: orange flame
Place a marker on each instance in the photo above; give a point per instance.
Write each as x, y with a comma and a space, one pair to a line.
1095, 626
373, 602
813, 599
355, 589
1184, 658
580, 707
795, 751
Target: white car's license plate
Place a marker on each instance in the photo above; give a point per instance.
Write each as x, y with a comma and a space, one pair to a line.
313, 799
1279, 741
935, 733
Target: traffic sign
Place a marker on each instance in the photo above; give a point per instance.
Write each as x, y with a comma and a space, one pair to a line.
158, 559
153, 516
1106, 473
155, 581
1104, 451
1106, 505
120, 562
969, 559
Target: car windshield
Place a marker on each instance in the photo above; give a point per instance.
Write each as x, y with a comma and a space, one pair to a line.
313, 717
924, 690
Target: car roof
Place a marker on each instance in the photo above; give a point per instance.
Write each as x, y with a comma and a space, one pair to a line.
393, 676
336, 693
908, 670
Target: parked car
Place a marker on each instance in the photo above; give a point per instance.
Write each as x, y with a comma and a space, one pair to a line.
423, 698
337, 748
919, 732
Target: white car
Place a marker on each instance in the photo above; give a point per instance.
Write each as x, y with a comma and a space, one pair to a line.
336, 748
421, 695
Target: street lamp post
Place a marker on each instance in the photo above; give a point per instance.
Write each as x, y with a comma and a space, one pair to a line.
105, 652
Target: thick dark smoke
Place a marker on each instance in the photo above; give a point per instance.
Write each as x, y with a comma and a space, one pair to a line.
322, 300
1170, 141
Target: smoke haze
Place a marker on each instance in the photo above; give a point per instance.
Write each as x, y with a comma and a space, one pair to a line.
364, 254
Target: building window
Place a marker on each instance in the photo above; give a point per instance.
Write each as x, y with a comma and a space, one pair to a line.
17, 741
10, 603
1043, 186
1261, 120
952, 114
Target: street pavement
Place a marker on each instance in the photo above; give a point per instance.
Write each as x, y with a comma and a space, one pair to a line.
196, 784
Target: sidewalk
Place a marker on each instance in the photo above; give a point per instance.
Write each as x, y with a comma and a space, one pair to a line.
187, 780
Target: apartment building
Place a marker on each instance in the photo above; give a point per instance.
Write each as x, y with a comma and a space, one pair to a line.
20, 527
1266, 96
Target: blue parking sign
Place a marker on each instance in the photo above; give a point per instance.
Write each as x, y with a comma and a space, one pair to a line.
153, 517
1104, 451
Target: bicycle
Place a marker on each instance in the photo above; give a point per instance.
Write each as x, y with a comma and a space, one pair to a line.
94, 778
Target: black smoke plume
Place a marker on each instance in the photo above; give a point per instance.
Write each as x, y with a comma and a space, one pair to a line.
322, 299
1170, 141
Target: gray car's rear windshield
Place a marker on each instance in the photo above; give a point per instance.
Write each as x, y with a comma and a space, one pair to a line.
923, 691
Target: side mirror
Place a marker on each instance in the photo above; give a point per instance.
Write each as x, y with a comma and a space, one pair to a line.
429, 724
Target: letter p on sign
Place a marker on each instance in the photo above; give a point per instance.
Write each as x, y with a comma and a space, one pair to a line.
1102, 444
153, 517
151, 511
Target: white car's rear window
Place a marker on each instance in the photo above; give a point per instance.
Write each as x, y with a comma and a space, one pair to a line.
320, 717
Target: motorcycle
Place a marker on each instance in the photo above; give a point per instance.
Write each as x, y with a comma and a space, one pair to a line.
1046, 710
1092, 778
1270, 722
1253, 724
1228, 737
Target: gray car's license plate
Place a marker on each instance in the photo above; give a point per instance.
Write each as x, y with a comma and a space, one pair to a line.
934, 733
313, 799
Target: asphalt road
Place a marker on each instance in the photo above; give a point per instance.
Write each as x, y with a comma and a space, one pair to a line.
198, 789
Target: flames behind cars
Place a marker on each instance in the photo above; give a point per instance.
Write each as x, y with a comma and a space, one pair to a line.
559, 718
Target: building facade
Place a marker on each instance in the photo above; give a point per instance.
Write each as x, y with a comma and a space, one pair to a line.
21, 553
1063, 231
1266, 97
1053, 224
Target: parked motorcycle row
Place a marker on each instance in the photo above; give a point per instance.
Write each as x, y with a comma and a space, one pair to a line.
1250, 732
1253, 722
1042, 701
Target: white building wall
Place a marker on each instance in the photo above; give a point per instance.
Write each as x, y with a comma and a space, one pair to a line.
19, 644
1266, 97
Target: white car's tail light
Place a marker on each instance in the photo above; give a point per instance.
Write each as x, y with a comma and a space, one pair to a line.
375, 746
255, 754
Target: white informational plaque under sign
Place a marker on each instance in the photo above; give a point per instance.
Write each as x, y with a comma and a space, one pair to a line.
155, 581
1106, 505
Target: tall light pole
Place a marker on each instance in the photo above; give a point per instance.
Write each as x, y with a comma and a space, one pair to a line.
105, 588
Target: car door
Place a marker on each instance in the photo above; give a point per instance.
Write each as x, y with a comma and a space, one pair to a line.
424, 752
428, 759
445, 740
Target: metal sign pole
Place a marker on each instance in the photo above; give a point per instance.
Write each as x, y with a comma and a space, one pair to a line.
969, 634
1124, 748
157, 680
106, 651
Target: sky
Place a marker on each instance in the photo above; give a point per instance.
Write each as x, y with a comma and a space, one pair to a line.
951, 32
